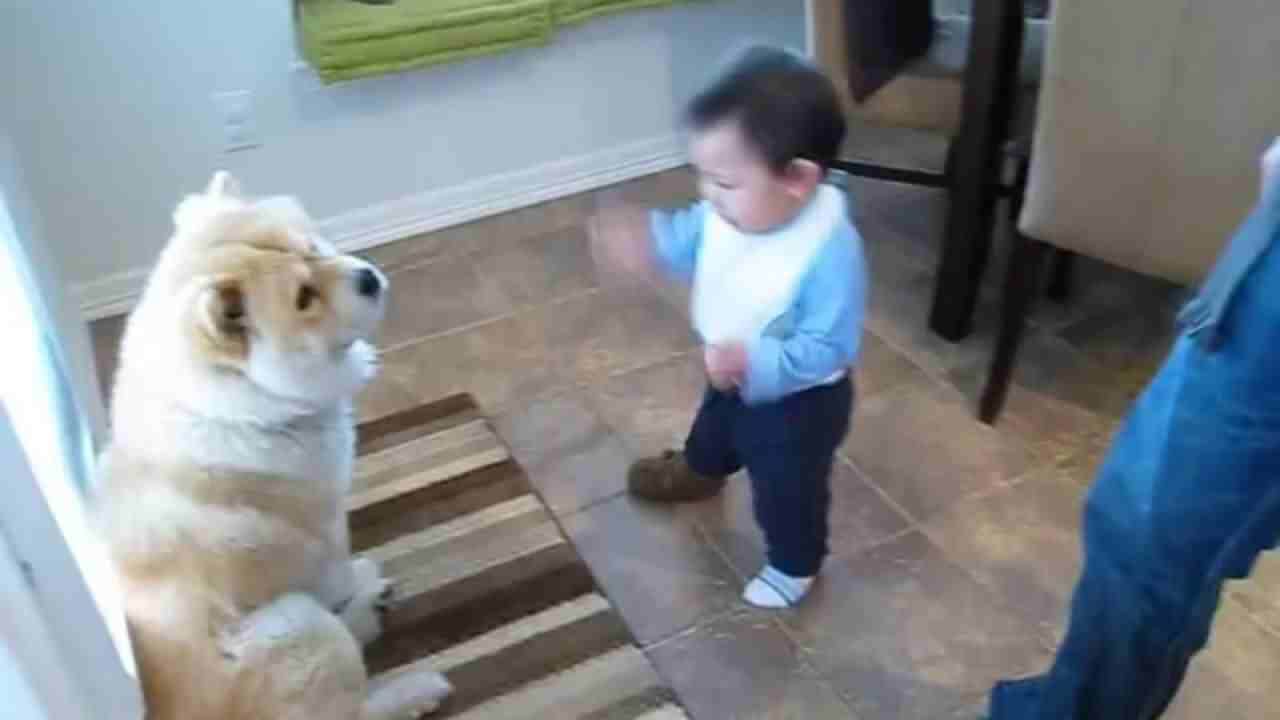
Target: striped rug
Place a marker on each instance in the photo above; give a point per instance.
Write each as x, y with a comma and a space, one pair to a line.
488, 589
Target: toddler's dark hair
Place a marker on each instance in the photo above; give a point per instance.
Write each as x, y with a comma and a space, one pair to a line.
785, 106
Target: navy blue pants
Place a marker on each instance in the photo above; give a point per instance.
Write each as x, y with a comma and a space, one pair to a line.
1186, 500
787, 447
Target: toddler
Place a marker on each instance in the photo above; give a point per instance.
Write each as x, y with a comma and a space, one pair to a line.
778, 296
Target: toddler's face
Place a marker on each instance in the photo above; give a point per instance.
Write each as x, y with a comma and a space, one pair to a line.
739, 184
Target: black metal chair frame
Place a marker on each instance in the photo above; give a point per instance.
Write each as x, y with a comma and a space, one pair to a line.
975, 159
1024, 280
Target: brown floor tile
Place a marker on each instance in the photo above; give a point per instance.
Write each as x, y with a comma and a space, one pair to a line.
897, 146
1207, 692
1248, 654
909, 219
1023, 542
860, 516
656, 567
881, 368
677, 297
599, 334
905, 634
1099, 289
498, 231
744, 667
898, 312
413, 250
1052, 429
1234, 678
1260, 593
1084, 466
653, 408
534, 270
1134, 334
571, 456
438, 296
503, 363
484, 234
925, 449
1050, 366
386, 395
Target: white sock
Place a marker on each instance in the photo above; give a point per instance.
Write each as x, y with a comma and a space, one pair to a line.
773, 588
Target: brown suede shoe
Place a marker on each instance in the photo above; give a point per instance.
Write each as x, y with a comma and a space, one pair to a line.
668, 478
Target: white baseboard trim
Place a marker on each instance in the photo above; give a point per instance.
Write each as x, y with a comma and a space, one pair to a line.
111, 295
436, 209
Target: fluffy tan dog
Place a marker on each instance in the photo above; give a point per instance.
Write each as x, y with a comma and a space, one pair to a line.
233, 444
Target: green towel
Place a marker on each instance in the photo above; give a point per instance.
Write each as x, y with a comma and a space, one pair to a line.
568, 12
344, 40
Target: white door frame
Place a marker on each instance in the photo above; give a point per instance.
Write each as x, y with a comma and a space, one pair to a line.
67, 643
51, 625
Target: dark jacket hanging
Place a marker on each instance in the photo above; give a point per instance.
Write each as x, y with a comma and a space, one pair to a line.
883, 37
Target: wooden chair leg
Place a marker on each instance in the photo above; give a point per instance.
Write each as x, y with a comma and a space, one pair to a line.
1060, 276
1022, 284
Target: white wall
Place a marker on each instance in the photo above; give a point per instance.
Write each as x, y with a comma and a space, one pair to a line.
109, 104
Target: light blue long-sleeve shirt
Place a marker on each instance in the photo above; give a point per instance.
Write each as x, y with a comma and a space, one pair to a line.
817, 337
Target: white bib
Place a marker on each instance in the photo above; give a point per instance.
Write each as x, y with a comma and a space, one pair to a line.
743, 282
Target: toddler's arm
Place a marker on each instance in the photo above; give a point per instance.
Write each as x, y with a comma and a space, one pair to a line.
828, 331
630, 244
677, 234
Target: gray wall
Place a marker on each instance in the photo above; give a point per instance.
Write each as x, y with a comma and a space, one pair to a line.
110, 106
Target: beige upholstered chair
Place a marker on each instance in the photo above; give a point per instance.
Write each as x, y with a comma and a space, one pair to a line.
1151, 117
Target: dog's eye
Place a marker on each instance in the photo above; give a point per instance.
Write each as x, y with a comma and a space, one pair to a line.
306, 295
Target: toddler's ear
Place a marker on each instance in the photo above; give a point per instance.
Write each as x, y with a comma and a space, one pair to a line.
801, 177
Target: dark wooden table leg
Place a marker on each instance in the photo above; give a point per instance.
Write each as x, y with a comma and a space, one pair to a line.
990, 78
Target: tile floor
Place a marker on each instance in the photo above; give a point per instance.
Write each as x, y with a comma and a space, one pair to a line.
955, 545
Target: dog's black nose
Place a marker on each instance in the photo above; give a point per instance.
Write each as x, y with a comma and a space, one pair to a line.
368, 283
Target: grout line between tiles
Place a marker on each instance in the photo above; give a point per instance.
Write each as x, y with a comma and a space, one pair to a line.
715, 548
941, 381
693, 627
866, 477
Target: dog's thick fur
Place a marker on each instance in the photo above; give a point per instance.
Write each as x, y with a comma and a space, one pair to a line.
221, 493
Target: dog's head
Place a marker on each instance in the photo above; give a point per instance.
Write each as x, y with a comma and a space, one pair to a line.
256, 306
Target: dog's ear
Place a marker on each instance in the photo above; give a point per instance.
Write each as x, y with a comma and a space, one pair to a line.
222, 193
222, 323
224, 184
223, 312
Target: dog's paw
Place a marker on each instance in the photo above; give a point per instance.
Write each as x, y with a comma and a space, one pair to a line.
363, 613
368, 578
407, 696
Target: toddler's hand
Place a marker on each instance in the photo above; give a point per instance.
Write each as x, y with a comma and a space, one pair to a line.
726, 365
621, 245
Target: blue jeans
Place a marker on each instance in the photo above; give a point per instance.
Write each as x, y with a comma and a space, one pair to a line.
1187, 498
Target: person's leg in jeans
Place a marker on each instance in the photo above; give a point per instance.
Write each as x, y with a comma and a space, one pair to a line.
1187, 498
788, 447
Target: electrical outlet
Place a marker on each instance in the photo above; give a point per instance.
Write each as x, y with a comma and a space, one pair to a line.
235, 112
